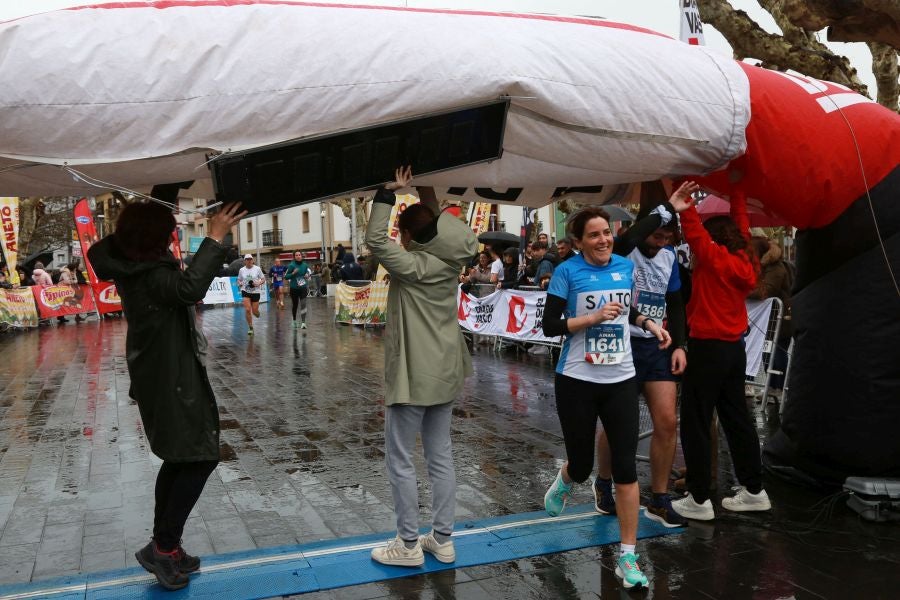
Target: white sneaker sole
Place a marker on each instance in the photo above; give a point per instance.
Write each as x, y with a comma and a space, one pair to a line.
746, 507
441, 556
400, 562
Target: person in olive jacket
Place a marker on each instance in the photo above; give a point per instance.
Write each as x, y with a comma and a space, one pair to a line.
425, 362
166, 355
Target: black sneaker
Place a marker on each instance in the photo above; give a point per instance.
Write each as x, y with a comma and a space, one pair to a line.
163, 565
604, 503
659, 509
186, 562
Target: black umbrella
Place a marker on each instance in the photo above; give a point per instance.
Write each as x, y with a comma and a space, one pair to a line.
502, 238
235, 267
617, 213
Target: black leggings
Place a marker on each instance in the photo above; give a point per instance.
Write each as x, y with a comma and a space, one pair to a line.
714, 379
578, 404
178, 487
299, 295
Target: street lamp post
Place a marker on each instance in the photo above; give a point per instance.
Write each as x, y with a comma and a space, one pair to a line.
322, 229
100, 219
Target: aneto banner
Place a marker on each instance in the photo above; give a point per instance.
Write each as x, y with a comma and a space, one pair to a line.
9, 221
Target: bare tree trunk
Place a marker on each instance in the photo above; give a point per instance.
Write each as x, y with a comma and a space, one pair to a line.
887, 74
29, 217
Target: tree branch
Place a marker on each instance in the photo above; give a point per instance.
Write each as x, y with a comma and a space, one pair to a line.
849, 20
794, 51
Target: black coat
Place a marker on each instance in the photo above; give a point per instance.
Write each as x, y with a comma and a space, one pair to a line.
165, 351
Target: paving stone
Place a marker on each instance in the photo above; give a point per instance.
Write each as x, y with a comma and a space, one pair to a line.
302, 421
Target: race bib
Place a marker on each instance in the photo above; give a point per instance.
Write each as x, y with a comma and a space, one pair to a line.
604, 344
651, 305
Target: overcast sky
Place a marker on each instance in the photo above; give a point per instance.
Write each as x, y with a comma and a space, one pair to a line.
659, 15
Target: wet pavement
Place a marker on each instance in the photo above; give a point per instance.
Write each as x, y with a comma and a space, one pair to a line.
302, 460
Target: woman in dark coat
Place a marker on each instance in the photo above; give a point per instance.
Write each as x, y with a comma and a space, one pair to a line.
166, 355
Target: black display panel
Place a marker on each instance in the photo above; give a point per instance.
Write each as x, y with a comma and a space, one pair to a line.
300, 171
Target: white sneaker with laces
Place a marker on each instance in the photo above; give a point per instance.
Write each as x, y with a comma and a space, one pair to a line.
744, 501
689, 508
396, 553
445, 552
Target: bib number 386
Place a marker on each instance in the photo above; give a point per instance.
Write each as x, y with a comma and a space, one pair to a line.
604, 344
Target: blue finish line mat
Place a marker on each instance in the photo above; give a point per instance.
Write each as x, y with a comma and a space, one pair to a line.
330, 564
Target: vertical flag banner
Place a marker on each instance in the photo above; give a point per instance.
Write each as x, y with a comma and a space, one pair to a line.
175, 246
525, 231
691, 26
9, 218
87, 235
480, 213
400, 204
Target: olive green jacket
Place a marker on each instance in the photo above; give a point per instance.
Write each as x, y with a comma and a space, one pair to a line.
425, 355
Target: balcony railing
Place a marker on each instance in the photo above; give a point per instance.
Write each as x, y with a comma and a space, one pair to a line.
271, 237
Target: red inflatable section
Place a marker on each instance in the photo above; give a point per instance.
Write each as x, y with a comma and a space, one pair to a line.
801, 159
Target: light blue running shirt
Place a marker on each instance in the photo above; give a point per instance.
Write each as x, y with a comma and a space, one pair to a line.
601, 353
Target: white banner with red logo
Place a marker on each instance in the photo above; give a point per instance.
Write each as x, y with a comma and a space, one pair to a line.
506, 313
61, 300
756, 342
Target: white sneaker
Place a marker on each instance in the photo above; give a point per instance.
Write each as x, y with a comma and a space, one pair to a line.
445, 552
397, 554
744, 501
539, 350
688, 508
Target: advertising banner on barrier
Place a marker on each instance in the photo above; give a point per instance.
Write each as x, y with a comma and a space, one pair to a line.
17, 308
366, 305
106, 296
758, 312
219, 292
511, 314
224, 290
87, 234
61, 300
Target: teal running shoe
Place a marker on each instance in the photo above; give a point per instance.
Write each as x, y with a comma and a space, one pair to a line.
629, 572
556, 497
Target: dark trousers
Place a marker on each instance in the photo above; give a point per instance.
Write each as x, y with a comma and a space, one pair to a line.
579, 404
298, 296
178, 487
714, 379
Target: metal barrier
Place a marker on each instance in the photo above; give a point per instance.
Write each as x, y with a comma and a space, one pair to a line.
787, 374
757, 386
480, 290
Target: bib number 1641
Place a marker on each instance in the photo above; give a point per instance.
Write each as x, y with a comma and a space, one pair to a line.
604, 344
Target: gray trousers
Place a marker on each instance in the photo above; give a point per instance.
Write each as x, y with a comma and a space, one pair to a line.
401, 424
